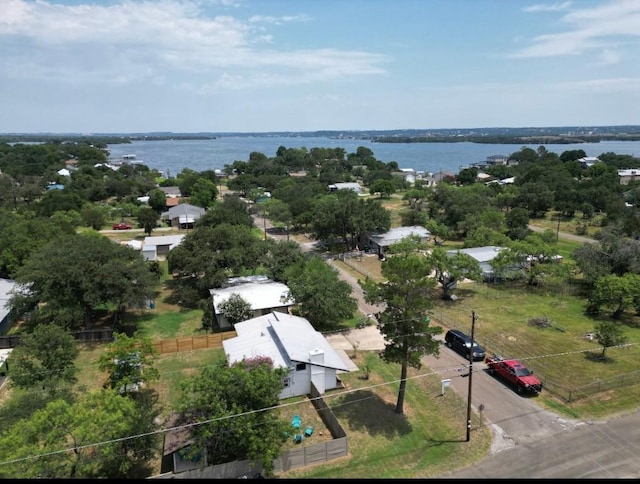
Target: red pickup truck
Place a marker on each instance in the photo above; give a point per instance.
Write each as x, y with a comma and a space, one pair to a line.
514, 372
121, 226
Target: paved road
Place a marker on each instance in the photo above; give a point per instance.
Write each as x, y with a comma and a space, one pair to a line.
529, 441
566, 235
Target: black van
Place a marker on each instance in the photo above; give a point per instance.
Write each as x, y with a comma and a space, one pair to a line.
460, 342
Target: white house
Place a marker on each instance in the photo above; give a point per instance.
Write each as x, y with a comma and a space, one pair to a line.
290, 342
159, 246
263, 294
353, 186
379, 243
627, 176
484, 256
587, 161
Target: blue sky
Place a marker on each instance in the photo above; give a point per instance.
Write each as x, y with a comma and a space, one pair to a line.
285, 65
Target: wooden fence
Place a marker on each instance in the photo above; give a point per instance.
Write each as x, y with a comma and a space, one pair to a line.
302, 456
190, 343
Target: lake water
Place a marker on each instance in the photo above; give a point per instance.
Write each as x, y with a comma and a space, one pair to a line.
171, 156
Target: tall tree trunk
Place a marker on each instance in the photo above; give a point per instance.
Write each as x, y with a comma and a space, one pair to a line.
403, 384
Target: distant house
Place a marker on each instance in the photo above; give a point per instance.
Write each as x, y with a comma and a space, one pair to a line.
433, 179
290, 342
484, 256
627, 176
6, 314
409, 174
182, 216
173, 192
497, 160
172, 196
587, 161
379, 243
157, 247
353, 186
263, 294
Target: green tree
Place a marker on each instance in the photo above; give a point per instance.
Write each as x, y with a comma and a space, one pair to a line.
407, 294
128, 362
45, 357
208, 255
609, 334
187, 178
451, 268
385, 188
320, 295
236, 309
532, 259
279, 255
87, 438
93, 216
278, 212
147, 218
203, 193
83, 272
22, 234
157, 200
232, 210
230, 407
616, 293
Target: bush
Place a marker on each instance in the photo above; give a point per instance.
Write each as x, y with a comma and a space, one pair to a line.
541, 322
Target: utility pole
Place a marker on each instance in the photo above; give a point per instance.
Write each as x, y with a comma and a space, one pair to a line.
473, 327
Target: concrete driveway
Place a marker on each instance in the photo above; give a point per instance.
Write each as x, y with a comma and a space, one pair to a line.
346, 342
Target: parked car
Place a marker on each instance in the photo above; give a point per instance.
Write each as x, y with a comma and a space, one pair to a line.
515, 373
461, 342
121, 226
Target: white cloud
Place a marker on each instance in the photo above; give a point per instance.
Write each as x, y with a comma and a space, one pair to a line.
165, 39
588, 29
544, 7
278, 20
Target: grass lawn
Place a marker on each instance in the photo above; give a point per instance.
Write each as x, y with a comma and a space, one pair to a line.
429, 438
569, 225
425, 441
558, 354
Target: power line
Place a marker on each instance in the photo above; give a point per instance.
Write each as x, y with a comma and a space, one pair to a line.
281, 406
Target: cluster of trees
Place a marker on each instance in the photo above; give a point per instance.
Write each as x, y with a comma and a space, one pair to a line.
52, 429
71, 276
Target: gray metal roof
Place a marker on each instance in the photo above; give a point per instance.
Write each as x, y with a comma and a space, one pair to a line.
184, 209
284, 338
397, 234
171, 240
481, 254
6, 285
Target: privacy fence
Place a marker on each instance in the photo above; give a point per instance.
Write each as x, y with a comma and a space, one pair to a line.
290, 459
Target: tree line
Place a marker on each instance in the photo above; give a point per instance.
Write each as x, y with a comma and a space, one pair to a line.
73, 278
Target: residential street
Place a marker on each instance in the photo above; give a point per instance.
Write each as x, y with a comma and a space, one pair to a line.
529, 441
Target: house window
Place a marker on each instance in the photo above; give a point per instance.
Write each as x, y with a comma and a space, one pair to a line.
286, 382
301, 366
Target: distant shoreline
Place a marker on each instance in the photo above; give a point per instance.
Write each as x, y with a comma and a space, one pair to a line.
523, 135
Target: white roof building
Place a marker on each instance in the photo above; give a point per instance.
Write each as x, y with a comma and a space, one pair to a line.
263, 294
353, 186
290, 342
6, 286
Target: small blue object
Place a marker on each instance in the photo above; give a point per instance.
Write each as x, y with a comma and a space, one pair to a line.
297, 438
296, 423
308, 431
